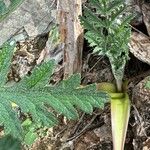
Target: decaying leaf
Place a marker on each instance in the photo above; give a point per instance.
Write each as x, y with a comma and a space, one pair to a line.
140, 46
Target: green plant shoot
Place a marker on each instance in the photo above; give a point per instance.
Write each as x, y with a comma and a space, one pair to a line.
6, 10
108, 32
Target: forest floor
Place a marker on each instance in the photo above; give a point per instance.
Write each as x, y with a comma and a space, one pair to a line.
93, 132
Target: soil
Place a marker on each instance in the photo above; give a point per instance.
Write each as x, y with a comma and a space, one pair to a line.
93, 132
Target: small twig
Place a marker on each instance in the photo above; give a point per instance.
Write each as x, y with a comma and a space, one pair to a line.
90, 127
96, 63
140, 32
93, 66
87, 127
142, 130
60, 132
92, 146
76, 128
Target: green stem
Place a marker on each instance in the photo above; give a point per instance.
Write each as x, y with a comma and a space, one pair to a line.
119, 85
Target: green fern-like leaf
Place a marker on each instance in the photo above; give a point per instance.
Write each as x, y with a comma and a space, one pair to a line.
35, 97
148, 83
5, 11
2, 7
5, 59
113, 6
9, 143
108, 31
